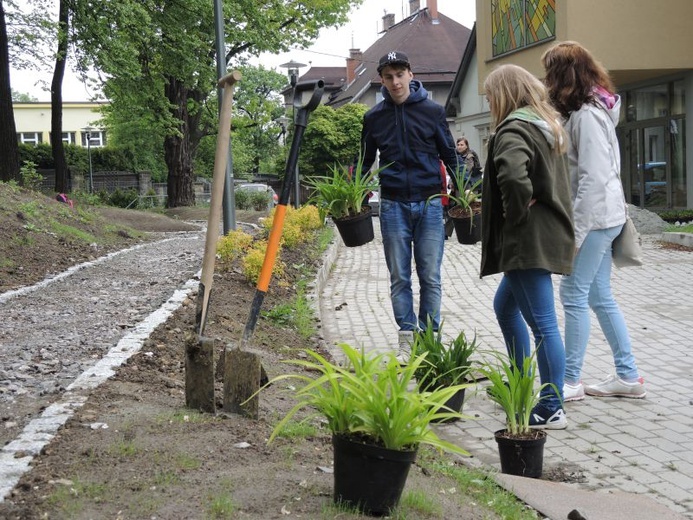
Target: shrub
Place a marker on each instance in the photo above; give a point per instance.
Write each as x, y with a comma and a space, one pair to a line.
298, 223
259, 201
253, 260
308, 217
242, 200
232, 246
677, 215
123, 198
31, 179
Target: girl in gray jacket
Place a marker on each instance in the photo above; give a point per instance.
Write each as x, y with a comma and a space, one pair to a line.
582, 91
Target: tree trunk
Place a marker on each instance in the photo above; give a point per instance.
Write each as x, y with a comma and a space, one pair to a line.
61, 184
177, 149
9, 149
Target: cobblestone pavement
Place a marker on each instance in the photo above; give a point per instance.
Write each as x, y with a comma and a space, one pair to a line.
611, 444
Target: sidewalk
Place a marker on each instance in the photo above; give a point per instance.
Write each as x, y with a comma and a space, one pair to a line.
618, 458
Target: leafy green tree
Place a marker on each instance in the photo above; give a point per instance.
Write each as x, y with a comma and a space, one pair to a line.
9, 165
61, 176
22, 97
332, 136
21, 35
159, 57
257, 105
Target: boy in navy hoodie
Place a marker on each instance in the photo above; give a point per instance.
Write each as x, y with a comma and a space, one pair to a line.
412, 135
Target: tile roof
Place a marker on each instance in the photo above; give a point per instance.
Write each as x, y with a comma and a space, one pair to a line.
434, 49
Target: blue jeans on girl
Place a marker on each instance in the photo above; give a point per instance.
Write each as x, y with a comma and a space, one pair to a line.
589, 286
525, 297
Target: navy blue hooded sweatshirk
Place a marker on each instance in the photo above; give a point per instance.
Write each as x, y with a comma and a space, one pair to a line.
413, 136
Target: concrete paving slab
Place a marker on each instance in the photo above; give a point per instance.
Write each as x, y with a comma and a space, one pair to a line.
634, 456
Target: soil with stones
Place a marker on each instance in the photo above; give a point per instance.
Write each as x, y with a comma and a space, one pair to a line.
133, 450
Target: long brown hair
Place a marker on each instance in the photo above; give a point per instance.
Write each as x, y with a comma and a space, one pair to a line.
571, 74
510, 87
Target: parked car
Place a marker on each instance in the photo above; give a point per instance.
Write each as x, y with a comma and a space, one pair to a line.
261, 188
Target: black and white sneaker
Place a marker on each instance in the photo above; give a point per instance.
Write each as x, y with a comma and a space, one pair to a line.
543, 419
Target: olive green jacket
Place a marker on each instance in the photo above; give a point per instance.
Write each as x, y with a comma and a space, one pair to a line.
521, 166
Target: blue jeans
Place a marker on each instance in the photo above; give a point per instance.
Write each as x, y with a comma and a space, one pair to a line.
421, 224
525, 297
589, 286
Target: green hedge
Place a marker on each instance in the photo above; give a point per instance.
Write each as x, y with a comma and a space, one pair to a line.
108, 158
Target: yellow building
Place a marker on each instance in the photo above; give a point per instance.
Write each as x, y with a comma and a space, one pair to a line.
646, 47
33, 123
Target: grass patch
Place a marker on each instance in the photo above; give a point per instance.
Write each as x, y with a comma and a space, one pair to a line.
477, 484
221, 504
688, 228
297, 315
124, 448
298, 429
422, 503
186, 462
185, 416
73, 232
166, 478
31, 209
70, 499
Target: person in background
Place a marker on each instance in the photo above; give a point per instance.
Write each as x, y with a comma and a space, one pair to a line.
469, 159
526, 227
412, 135
581, 90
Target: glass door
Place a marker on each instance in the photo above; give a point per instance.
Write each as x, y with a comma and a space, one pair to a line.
646, 166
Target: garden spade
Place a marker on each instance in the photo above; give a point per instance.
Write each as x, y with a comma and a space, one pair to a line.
199, 350
242, 369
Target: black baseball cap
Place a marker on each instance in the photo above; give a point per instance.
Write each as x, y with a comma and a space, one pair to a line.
393, 58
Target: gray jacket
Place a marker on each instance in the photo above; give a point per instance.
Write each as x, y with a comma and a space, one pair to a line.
594, 163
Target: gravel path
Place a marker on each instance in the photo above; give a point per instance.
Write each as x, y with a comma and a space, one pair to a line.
52, 332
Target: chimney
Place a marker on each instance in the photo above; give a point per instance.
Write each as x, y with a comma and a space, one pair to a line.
433, 10
388, 21
414, 6
353, 61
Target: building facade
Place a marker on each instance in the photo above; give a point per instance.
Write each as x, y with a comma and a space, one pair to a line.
647, 51
33, 123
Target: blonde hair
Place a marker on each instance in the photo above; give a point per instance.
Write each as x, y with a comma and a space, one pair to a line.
510, 87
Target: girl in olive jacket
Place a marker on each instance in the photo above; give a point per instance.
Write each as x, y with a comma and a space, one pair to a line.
527, 229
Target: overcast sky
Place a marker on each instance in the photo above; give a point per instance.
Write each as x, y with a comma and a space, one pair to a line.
331, 49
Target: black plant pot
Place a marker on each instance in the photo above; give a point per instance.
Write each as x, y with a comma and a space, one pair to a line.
523, 457
356, 230
468, 229
370, 478
455, 404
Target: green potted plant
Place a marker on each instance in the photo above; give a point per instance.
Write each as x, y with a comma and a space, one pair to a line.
520, 447
343, 196
376, 422
465, 211
445, 364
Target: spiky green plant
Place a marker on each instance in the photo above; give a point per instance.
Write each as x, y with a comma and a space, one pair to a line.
444, 365
370, 397
343, 192
513, 389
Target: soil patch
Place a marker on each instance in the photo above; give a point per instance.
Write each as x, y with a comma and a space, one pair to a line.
134, 451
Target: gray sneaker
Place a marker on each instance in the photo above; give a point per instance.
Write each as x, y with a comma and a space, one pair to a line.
614, 386
405, 339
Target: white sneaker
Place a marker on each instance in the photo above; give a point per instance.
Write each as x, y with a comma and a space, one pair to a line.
405, 339
614, 386
573, 392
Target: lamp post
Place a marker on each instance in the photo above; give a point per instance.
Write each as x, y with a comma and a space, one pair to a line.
284, 123
87, 134
292, 69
